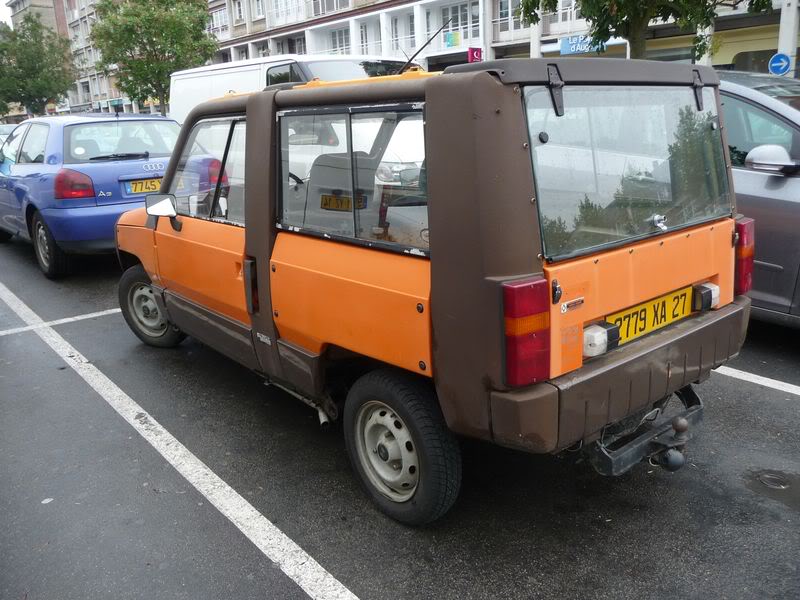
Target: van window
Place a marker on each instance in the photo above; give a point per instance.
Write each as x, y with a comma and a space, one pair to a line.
382, 154
749, 126
33, 148
283, 74
202, 178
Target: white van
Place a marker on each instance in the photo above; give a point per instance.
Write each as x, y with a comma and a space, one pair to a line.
191, 87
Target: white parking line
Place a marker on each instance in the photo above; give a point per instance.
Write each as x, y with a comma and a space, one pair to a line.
102, 313
275, 545
758, 379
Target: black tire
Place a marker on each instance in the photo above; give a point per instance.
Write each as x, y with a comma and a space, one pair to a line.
53, 261
433, 445
5, 236
153, 329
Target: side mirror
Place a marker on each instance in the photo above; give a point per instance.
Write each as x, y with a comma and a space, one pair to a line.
160, 205
771, 158
2, 156
409, 177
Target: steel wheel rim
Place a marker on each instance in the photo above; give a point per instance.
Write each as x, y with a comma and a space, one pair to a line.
144, 309
386, 451
42, 246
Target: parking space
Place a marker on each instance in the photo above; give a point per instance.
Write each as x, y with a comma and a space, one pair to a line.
123, 522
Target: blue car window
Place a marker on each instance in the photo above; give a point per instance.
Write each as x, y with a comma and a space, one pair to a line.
11, 145
113, 140
33, 148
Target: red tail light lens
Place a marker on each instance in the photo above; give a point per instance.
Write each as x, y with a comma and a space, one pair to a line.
214, 169
526, 309
745, 248
70, 184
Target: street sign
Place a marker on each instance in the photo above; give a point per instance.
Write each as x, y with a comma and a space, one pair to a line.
474, 55
578, 44
779, 63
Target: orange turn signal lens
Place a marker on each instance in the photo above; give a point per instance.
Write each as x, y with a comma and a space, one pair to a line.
525, 325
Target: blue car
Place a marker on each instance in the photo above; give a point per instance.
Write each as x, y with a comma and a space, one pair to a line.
64, 181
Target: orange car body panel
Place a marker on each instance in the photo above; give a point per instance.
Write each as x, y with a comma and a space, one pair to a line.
203, 263
135, 238
360, 299
617, 279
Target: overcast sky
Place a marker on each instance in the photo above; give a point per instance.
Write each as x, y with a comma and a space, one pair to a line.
5, 12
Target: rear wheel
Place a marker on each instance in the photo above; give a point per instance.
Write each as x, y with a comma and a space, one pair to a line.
400, 447
142, 312
53, 261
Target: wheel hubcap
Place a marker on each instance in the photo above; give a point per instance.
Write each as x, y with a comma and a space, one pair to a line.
42, 248
387, 451
145, 310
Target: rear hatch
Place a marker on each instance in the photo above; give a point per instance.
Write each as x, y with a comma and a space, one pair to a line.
125, 158
635, 210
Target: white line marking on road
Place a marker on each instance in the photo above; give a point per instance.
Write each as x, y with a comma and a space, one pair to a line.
758, 379
279, 548
102, 313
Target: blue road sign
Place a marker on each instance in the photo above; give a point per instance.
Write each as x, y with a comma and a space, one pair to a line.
779, 64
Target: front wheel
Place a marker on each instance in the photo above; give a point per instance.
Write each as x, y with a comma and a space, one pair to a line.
53, 261
5, 235
142, 312
400, 447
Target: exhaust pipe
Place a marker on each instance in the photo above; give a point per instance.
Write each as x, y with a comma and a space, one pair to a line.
324, 421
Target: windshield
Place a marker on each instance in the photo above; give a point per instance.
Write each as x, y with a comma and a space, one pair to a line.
623, 163
339, 70
119, 140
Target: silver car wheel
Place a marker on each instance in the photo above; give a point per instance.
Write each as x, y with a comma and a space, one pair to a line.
42, 246
386, 451
145, 310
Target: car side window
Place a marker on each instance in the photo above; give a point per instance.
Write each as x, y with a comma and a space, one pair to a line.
33, 148
11, 145
749, 126
381, 154
201, 177
283, 74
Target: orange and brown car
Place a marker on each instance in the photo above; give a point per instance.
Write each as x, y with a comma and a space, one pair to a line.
538, 253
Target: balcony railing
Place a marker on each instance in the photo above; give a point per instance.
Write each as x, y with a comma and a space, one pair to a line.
221, 33
403, 43
292, 11
509, 29
565, 20
317, 8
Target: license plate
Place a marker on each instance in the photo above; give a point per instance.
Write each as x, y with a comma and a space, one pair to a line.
143, 186
341, 203
643, 318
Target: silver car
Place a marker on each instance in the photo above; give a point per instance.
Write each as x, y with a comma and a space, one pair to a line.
762, 119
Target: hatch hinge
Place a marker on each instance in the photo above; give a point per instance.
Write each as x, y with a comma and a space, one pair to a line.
697, 84
556, 85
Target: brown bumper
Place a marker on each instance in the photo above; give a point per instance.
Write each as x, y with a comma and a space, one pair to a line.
551, 416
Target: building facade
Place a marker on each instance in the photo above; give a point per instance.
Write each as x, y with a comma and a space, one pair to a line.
51, 13
398, 28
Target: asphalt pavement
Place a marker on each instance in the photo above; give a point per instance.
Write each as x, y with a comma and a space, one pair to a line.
90, 509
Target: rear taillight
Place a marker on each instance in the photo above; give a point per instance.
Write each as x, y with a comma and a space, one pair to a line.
526, 309
214, 168
70, 184
745, 247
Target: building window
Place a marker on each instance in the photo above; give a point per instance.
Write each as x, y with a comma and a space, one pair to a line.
243, 54
340, 41
364, 39
428, 28
411, 32
322, 7
258, 8
395, 33
464, 23
218, 21
300, 45
238, 10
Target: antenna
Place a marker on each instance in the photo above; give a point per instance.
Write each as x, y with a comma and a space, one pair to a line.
421, 48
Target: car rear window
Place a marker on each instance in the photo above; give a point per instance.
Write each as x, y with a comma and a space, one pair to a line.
339, 70
624, 163
119, 140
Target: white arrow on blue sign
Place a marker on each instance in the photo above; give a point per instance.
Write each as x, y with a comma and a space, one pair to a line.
779, 64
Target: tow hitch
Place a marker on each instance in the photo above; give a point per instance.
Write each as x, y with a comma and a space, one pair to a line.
662, 443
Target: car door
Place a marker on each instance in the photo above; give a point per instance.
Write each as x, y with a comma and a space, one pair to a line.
31, 173
773, 200
201, 251
8, 177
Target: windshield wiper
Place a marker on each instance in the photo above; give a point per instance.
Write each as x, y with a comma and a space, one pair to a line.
121, 156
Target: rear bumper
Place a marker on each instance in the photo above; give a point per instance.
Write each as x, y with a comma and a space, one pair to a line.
575, 407
89, 229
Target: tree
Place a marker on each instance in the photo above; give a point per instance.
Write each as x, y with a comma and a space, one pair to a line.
629, 19
35, 65
143, 41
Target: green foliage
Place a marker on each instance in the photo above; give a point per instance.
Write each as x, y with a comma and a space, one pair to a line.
35, 65
629, 19
143, 41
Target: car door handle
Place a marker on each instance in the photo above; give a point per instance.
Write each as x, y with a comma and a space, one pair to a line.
250, 285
